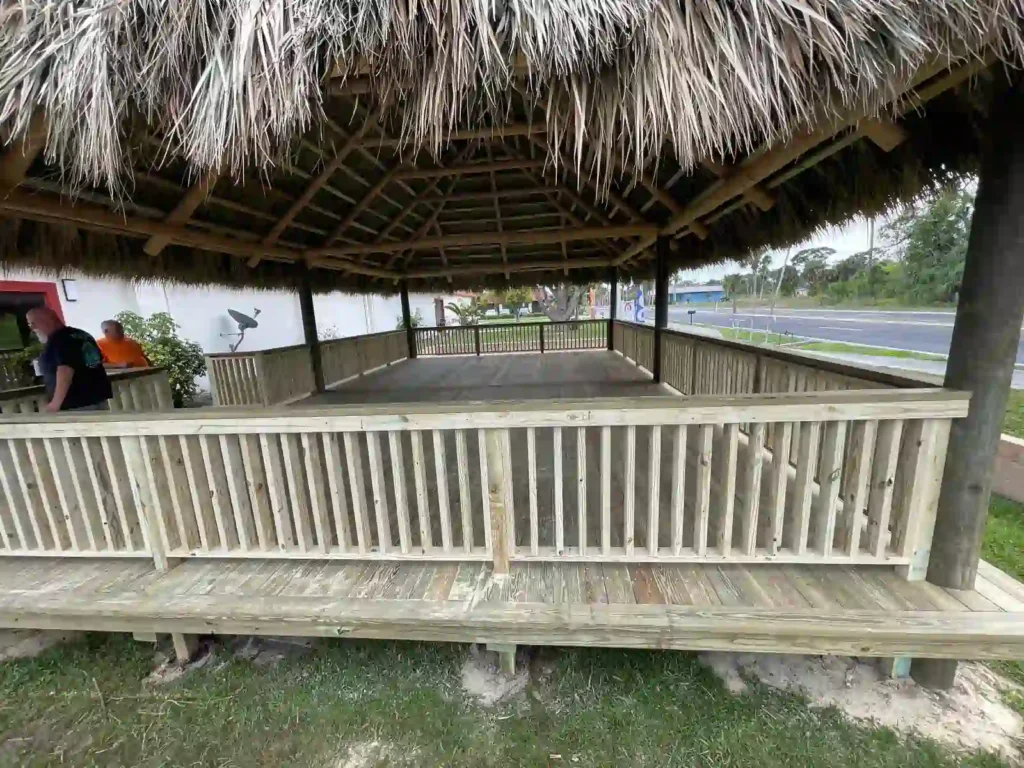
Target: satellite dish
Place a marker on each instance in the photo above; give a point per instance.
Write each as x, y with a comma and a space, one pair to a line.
244, 323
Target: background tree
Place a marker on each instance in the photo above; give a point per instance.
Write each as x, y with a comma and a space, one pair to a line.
561, 302
812, 264
183, 359
517, 298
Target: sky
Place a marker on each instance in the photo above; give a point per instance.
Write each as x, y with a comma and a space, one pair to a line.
848, 240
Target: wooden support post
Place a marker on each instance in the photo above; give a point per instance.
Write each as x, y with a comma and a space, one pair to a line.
986, 334
660, 301
506, 656
309, 327
410, 333
613, 306
185, 646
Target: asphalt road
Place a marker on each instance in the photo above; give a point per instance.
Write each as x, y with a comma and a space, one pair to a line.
920, 331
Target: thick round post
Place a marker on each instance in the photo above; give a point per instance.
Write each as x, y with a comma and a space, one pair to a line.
309, 328
410, 333
660, 301
986, 335
613, 305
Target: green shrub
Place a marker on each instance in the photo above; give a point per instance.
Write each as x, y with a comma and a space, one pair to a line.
183, 359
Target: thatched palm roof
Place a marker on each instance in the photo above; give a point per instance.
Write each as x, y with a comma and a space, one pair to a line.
228, 140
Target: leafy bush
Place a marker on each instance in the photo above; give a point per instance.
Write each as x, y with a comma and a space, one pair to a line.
183, 359
417, 321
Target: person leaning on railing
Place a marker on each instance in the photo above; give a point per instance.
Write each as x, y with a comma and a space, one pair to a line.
120, 351
71, 364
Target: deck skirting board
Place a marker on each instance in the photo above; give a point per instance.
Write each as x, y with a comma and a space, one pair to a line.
933, 634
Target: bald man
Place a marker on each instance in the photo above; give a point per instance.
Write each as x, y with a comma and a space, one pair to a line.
71, 364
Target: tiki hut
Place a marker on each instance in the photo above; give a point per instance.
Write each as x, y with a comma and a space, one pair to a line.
782, 504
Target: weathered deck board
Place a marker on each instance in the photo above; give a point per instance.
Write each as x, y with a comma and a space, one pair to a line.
860, 610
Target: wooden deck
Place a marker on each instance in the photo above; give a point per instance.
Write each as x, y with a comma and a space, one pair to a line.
529, 376
863, 611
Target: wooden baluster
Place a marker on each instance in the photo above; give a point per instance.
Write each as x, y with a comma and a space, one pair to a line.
883, 476
653, 490
752, 489
314, 467
678, 489
420, 480
481, 436
356, 487
238, 493
380, 501
774, 520
559, 496
531, 459
629, 492
730, 443
465, 498
214, 466
858, 477
336, 489
443, 507
702, 499
581, 488
803, 488
179, 496
606, 491
823, 523
401, 498
494, 447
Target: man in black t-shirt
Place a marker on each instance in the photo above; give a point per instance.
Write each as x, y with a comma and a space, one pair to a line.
71, 364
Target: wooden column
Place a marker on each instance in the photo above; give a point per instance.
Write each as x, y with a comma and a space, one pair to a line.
613, 307
660, 301
982, 354
309, 327
410, 334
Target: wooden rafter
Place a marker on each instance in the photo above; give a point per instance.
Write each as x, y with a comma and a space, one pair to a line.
528, 265
183, 211
496, 132
884, 133
497, 211
760, 166
315, 186
360, 206
484, 238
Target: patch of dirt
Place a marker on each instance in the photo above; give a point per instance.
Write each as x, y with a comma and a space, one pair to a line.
269, 651
29, 643
971, 716
482, 679
371, 753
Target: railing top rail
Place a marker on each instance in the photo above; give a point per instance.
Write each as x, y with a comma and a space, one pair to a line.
809, 359
793, 407
273, 350
528, 324
114, 376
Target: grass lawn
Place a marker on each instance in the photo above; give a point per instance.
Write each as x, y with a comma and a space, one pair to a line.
84, 704
1014, 422
763, 337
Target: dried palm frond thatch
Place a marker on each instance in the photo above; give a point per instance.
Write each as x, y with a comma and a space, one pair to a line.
227, 83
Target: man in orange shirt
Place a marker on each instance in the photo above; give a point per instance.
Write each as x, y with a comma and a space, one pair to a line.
118, 350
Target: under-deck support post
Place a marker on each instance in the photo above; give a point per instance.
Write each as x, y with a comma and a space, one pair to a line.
613, 305
986, 335
410, 333
660, 301
309, 327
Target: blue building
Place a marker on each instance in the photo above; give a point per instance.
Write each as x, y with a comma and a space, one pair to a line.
695, 294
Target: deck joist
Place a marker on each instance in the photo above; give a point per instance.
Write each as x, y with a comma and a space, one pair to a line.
861, 611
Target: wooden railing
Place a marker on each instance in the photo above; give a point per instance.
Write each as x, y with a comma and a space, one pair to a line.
285, 374
851, 477
512, 337
700, 365
142, 389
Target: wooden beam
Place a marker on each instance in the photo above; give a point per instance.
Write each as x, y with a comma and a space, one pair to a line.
494, 132
470, 169
495, 238
20, 154
515, 266
360, 206
885, 133
184, 209
756, 194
